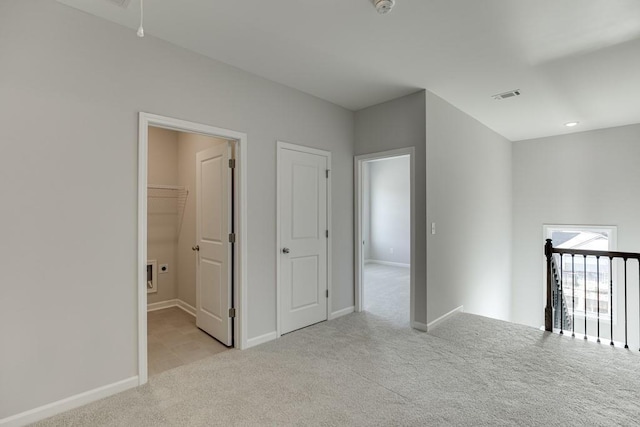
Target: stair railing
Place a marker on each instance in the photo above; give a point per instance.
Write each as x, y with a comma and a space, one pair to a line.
555, 287
561, 319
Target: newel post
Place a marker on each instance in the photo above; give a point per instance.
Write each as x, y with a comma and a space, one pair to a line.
548, 311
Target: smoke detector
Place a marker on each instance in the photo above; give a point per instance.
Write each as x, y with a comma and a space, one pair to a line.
384, 6
505, 95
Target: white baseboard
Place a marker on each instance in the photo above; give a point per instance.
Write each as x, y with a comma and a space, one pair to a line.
252, 342
172, 303
389, 263
162, 305
341, 313
419, 326
72, 402
432, 324
186, 307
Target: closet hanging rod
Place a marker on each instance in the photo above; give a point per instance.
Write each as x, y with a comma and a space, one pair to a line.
165, 187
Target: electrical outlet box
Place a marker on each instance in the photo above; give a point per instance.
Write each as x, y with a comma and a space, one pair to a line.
152, 271
164, 268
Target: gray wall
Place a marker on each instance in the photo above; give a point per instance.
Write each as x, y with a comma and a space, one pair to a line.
469, 199
390, 199
162, 213
587, 178
71, 89
399, 124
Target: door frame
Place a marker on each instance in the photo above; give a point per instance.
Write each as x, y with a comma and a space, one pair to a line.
304, 149
358, 193
240, 213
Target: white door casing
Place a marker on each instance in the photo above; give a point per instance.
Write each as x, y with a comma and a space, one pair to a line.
240, 250
303, 229
213, 226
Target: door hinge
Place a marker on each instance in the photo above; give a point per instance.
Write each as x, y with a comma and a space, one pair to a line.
232, 312
327, 293
326, 233
327, 173
232, 163
232, 237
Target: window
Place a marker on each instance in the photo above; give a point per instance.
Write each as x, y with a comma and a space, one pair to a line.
578, 275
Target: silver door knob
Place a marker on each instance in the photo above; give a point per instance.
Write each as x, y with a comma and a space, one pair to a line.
195, 248
285, 250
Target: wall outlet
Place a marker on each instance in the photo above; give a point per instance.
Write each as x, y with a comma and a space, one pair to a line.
164, 268
391, 251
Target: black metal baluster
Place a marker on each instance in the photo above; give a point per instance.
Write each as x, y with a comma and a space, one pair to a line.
561, 304
598, 290
611, 297
573, 296
548, 309
626, 345
585, 295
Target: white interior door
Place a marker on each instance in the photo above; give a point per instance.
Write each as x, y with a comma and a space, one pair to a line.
303, 238
213, 226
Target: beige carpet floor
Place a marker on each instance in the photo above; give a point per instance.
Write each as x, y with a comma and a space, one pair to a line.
367, 370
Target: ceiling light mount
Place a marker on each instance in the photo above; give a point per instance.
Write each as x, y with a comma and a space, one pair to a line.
384, 6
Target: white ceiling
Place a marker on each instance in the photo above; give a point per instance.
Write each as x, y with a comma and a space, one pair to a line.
573, 60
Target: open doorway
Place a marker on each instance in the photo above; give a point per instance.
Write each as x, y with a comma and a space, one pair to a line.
191, 243
384, 258
189, 201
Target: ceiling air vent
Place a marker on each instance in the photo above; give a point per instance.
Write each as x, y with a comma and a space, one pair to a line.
121, 3
506, 95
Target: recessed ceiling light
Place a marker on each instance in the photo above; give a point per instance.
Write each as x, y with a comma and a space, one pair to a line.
571, 124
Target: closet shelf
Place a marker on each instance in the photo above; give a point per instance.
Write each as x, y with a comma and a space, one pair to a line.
166, 191
165, 187
180, 194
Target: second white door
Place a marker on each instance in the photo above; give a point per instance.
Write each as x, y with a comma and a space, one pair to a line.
303, 229
213, 226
